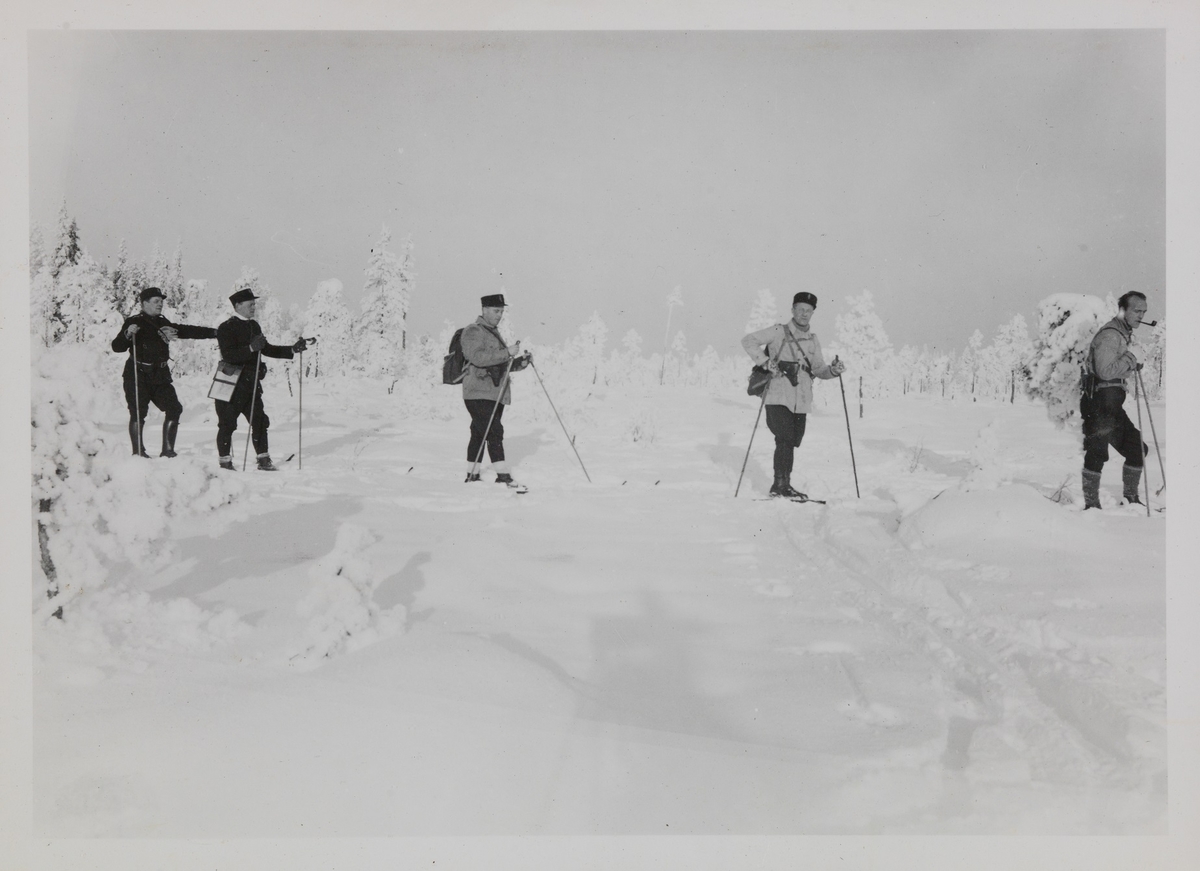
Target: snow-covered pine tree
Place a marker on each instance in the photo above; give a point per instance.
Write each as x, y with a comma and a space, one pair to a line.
328, 319
674, 298
1067, 322
969, 363
1011, 349
589, 348
764, 313
380, 330
865, 343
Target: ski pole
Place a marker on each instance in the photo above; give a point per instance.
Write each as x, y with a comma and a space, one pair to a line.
560, 421
757, 418
1157, 452
849, 438
499, 396
137, 401
253, 397
1145, 478
300, 444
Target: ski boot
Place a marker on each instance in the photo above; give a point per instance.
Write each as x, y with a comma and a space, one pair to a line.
265, 464
226, 463
1131, 476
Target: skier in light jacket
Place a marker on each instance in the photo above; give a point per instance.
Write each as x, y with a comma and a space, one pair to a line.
487, 388
1102, 410
793, 355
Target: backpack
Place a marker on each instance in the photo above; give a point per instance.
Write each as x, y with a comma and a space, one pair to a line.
454, 365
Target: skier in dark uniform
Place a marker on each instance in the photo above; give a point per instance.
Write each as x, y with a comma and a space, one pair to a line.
1101, 405
149, 334
242, 343
793, 355
486, 390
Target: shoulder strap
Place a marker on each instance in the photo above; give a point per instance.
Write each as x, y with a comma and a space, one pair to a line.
796, 344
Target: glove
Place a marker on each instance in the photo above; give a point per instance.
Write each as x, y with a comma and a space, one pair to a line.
258, 343
1138, 367
300, 345
131, 331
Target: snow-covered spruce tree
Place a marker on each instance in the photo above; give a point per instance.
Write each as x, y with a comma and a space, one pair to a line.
328, 319
864, 343
764, 313
380, 332
43, 323
199, 307
85, 305
1066, 324
157, 273
37, 249
66, 242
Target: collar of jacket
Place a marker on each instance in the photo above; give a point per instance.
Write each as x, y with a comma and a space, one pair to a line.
495, 332
1118, 323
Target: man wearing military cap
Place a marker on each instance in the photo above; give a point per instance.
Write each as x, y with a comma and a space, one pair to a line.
148, 335
486, 388
242, 346
793, 355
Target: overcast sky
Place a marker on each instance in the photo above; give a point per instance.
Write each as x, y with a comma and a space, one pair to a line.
961, 176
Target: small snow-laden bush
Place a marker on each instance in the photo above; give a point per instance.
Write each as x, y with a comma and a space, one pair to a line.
1066, 324
94, 503
342, 615
987, 470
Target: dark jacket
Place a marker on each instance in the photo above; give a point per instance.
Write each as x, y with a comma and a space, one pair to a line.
233, 338
153, 352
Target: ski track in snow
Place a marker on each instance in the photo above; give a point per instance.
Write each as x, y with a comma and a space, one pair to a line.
642, 652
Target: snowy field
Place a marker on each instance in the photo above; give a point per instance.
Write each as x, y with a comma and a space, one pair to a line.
367, 646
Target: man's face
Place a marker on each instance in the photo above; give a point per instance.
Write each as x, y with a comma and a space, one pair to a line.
493, 314
802, 312
246, 309
153, 305
1135, 310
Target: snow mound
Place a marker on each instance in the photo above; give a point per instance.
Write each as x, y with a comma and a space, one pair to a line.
118, 626
342, 615
1007, 516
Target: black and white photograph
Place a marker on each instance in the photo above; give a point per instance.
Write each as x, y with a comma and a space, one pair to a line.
489, 440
